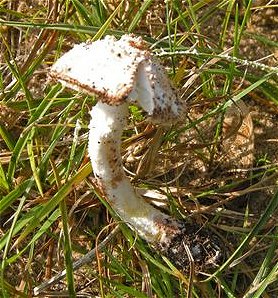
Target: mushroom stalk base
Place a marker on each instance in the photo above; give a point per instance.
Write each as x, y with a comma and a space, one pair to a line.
173, 238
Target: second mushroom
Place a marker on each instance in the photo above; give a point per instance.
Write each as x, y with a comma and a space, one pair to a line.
120, 72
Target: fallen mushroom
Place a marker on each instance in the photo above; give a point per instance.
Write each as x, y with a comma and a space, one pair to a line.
122, 72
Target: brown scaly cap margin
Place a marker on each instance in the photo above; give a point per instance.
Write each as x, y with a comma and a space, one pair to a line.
103, 95
106, 67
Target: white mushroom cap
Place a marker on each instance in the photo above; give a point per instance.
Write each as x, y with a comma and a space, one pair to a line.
119, 70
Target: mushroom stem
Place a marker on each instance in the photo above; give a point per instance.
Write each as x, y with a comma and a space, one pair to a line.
106, 127
172, 237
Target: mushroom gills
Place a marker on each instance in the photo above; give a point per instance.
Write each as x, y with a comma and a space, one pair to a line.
153, 92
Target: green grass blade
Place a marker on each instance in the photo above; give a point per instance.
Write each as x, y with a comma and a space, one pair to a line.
67, 249
7, 137
15, 194
139, 15
73, 148
271, 278
4, 185
272, 206
50, 206
32, 161
45, 227
107, 23
83, 12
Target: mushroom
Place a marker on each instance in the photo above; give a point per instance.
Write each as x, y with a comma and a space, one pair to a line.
120, 72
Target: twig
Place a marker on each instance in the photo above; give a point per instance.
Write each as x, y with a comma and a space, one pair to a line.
224, 56
87, 258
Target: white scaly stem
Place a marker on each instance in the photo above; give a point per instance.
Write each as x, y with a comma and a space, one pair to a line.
106, 127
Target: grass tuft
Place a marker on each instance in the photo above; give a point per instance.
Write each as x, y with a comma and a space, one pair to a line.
217, 166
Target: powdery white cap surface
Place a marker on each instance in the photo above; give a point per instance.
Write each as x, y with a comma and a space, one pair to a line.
118, 71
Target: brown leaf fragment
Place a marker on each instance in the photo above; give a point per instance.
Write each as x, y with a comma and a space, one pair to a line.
238, 136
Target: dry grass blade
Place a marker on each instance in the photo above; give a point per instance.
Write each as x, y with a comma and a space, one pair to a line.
86, 259
238, 136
